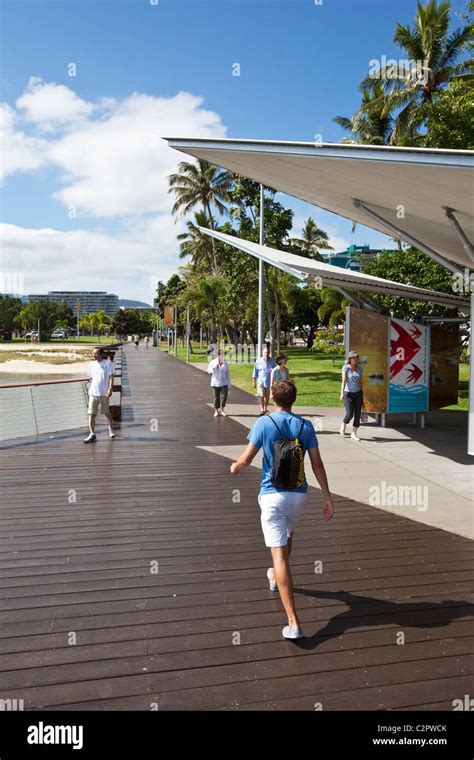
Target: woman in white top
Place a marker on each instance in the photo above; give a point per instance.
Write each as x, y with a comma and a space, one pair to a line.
220, 382
352, 393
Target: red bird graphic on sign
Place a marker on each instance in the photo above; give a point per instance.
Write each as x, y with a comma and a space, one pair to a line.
414, 374
405, 347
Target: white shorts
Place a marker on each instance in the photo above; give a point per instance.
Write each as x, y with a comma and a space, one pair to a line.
279, 515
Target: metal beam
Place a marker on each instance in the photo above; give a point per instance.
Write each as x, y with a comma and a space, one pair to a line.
352, 299
466, 243
399, 233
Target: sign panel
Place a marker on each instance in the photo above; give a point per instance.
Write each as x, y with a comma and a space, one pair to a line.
169, 316
367, 334
409, 367
444, 369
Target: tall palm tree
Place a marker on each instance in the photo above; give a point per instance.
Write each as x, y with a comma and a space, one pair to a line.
373, 123
201, 183
193, 243
312, 239
431, 54
23, 319
89, 322
204, 296
103, 322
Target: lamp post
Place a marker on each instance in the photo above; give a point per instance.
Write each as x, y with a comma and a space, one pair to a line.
261, 278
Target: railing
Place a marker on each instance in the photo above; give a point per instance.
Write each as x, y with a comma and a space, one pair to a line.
43, 406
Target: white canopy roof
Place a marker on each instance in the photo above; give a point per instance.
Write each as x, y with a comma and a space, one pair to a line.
405, 187
336, 277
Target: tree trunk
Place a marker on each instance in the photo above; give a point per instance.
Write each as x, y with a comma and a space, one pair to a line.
270, 319
277, 321
213, 326
211, 221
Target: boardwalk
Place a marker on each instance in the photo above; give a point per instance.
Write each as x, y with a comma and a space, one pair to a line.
133, 579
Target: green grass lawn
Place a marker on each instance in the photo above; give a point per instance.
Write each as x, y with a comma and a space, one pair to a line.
318, 377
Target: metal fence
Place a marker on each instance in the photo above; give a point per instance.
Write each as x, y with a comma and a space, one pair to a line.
44, 407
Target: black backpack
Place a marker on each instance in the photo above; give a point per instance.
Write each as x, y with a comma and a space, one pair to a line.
288, 461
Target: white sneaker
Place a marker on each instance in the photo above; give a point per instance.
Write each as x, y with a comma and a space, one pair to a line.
354, 437
90, 438
111, 433
223, 413
271, 579
216, 413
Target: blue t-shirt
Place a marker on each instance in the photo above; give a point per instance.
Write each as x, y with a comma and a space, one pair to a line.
262, 371
264, 433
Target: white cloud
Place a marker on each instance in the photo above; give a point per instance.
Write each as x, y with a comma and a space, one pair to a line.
119, 165
126, 264
112, 159
112, 163
52, 106
19, 152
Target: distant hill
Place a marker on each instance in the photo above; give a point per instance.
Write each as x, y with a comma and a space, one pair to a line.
131, 304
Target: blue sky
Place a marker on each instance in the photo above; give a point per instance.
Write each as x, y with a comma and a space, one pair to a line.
78, 198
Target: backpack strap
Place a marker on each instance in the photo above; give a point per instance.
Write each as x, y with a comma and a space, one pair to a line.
271, 418
301, 428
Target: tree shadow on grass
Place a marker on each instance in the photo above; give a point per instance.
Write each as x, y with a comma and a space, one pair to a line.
367, 611
317, 376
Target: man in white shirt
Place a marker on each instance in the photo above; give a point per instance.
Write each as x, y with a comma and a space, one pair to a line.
220, 382
101, 377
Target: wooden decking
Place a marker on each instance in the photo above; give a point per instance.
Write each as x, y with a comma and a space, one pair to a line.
84, 526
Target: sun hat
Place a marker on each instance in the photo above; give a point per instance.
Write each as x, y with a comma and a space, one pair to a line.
351, 354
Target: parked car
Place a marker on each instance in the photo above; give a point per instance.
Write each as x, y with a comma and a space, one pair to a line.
59, 333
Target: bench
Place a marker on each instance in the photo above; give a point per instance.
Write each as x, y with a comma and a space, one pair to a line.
115, 405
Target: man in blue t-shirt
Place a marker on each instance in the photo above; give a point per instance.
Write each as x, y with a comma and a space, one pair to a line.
261, 378
280, 508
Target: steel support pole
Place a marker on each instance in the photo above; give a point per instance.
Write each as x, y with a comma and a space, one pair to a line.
261, 315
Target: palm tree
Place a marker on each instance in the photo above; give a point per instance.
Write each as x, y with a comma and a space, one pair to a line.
311, 240
333, 307
200, 183
373, 123
203, 297
23, 319
89, 322
198, 246
103, 322
431, 53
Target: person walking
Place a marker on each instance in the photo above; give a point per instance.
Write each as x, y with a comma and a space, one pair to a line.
352, 394
280, 372
220, 382
261, 378
101, 377
147, 342
285, 438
